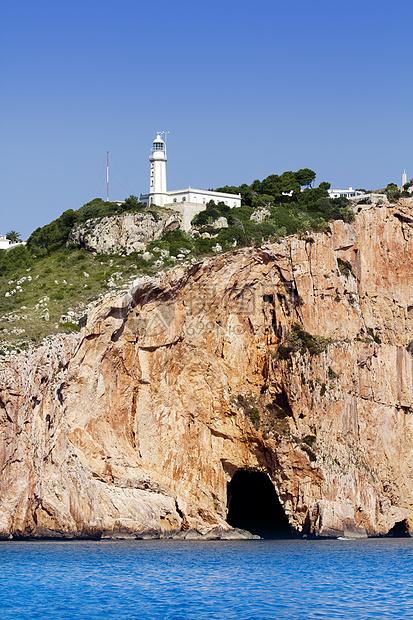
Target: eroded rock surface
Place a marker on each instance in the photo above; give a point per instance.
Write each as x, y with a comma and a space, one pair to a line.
125, 233
137, 425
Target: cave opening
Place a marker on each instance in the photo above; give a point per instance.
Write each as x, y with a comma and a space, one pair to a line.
253, 505
400, 530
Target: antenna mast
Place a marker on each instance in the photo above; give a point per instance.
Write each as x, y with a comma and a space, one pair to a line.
107, 176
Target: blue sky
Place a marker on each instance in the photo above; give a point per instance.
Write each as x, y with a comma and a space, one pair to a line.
246, 89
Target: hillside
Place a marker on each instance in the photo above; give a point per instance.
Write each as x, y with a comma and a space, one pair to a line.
48, 285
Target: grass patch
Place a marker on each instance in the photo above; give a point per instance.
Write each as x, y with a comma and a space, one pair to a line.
35, 294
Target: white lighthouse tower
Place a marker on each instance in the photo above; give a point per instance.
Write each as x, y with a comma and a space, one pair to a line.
157, 184
188, 202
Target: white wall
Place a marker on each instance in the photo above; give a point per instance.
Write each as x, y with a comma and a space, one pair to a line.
200, 196
4, 243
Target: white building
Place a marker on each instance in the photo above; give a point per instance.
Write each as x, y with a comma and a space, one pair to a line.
4, 243
345, 193
188, 202
404, 178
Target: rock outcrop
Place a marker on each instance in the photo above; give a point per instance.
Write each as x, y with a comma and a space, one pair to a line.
293, 359
124, 234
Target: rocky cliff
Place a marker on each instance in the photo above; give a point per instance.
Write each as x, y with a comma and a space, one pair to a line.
125, 233
293, 359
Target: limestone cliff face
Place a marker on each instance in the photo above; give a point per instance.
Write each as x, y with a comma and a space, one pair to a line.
137, 425
126, 233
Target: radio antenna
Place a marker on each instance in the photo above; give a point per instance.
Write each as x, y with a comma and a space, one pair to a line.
107, 176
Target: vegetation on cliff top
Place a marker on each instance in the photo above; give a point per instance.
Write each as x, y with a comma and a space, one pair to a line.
53, 236
274, 207
44, 280
49, 295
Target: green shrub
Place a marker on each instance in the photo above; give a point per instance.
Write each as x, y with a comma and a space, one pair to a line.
370, 332
15, 260
392, 192
302, 341
309, 451
345, 267
331, 374
309, 440
211, 214
254, 414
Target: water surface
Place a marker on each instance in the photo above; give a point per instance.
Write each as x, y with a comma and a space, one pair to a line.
242, 580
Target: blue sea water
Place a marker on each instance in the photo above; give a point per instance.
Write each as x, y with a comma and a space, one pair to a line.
242, 580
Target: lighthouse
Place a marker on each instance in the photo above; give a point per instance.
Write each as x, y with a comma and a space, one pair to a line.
189, 201
157, 183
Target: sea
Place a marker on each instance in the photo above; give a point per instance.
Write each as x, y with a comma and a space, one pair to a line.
240, 580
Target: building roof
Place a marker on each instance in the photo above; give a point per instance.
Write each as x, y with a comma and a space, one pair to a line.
209, 192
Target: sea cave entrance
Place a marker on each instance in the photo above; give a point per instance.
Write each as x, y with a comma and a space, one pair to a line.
400, 530
253, 505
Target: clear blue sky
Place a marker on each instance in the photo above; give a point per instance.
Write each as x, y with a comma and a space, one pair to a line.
246, 89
